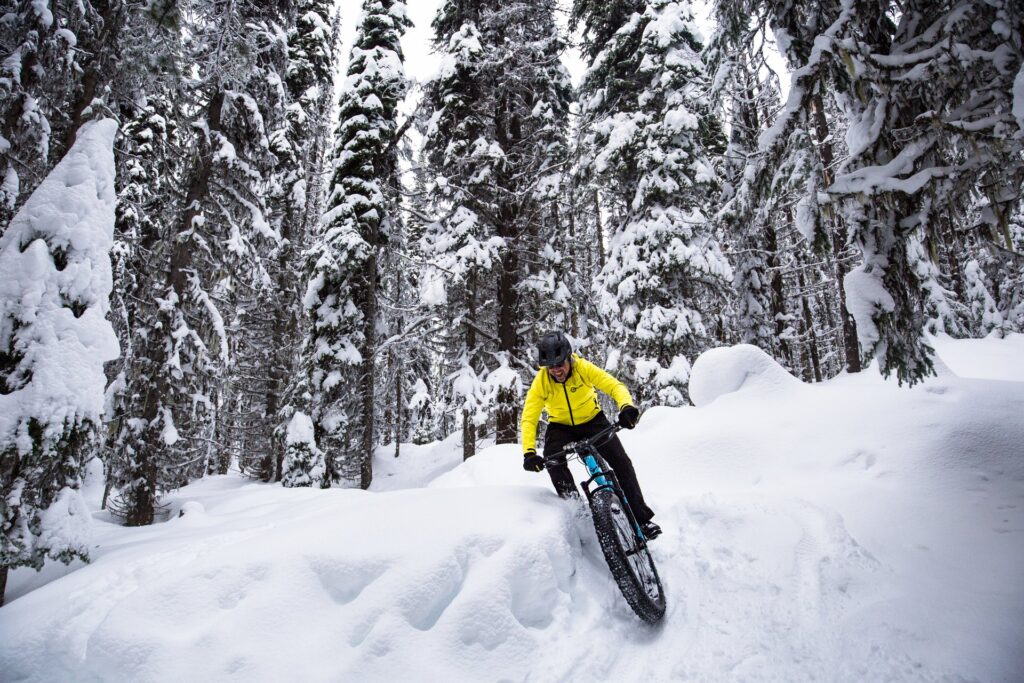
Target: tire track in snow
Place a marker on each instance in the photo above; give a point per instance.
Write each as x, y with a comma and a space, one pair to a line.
759, 589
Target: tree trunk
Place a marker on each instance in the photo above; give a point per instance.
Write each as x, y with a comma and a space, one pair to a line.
850, 344
398, 403
284, 334
573, 258
508, 133
143, 507
812, 336
778, 296
953, 251
838, 235
3, 583
507, 408
105, 53
468, 428
368, 376
468, 436
143, 503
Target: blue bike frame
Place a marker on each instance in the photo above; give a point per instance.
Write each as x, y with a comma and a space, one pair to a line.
604, 479
596, 475
601, 478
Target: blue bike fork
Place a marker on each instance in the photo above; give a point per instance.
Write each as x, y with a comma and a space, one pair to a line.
597, 476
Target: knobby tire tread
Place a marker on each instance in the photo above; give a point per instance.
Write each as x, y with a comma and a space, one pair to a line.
645, 607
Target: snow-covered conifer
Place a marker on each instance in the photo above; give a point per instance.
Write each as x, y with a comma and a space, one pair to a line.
923, 140
178, 414
495, 142
303, 461
54, 340
296, 191
58, 62
647, 133
341, 298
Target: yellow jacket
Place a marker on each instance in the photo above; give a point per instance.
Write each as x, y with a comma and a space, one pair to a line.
572, 402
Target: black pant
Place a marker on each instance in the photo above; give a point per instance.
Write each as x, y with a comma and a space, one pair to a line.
611, 450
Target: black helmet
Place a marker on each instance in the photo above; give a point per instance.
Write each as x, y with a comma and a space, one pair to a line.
553, 349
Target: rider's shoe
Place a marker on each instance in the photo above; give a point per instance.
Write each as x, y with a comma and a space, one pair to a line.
651, 530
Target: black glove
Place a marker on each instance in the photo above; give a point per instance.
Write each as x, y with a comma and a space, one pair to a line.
628, 417
532, 462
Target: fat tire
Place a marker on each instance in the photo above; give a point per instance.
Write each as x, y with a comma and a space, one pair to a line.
647, 608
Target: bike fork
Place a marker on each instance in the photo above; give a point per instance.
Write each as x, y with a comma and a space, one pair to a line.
608, 480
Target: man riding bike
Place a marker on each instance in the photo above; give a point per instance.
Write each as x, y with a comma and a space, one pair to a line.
566, 387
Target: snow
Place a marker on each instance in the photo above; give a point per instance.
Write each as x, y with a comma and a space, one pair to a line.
733, 368
432, 288
851, 530
990, 358
300, 430
169, 433
416, 466
70, 213
42, 11
865, 295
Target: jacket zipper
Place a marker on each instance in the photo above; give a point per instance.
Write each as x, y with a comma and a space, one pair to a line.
568, 404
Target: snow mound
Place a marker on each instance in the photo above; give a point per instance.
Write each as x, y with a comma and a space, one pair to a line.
416, 466
463, 589
832, 533
731, 368
491, 466
989, 358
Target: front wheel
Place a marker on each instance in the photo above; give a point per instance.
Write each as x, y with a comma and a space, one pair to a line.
628, 558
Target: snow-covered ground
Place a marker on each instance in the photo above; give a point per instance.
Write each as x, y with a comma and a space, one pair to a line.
848, 531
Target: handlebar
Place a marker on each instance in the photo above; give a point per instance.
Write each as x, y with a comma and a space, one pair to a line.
576, 446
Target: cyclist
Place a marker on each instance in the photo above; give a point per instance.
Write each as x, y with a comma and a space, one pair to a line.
565, 386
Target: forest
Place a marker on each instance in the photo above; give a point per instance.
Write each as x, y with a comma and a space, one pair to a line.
312, 256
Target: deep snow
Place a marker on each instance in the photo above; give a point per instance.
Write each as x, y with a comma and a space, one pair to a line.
847, 531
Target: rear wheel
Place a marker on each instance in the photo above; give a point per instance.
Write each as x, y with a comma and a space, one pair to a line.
628, 558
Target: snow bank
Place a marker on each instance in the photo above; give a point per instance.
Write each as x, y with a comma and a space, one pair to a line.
846, 531
416, 466
732, 368
299, 584
990, 358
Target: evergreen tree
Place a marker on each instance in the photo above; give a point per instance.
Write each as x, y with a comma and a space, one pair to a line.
458, 245
647, 135
299, 148
55, 75
495, 142
529, 118
923, 138
146, 184
748, 223
264, 329
54, 340
342, 297
303, 461
182, 417
157, 346
789, 159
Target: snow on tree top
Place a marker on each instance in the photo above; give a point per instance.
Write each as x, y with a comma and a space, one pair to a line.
54, 294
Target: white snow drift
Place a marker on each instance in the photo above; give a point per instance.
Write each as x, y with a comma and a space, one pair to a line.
847, 531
